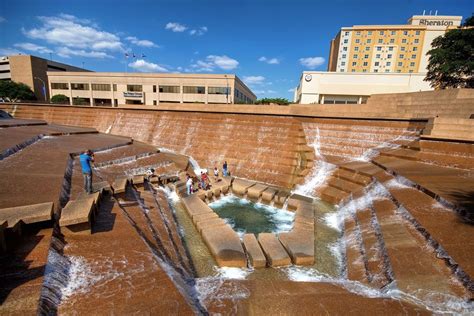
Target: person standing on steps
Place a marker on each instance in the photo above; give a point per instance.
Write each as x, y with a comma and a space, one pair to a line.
86, 158
189, 185
224, 169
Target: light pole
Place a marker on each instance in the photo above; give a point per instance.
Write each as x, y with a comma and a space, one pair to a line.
44, 88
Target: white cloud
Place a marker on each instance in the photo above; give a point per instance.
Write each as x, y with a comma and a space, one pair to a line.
68, 31
9, 51
312, 62
176, 27
144, 66
271, 61
138, 42
253, 80
292, 90
213, 61
34, 48
67, 52
199, 31
2, 19
263, 92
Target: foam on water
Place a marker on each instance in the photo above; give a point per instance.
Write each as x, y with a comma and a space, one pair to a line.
171, 195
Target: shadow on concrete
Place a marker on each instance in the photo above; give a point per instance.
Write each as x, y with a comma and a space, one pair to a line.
15, 270
105, 219
465, 205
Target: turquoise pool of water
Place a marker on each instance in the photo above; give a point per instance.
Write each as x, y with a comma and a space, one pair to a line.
249, 217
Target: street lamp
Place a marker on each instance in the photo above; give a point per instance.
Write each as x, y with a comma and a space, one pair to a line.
44, 88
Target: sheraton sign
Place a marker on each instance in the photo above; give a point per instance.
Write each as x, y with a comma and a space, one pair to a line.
436, 22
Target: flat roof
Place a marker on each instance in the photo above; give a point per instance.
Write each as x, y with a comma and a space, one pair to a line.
140, 74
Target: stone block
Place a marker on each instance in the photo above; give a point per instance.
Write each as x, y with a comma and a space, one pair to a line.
299, 243
120, 184
305, 210
274, 252
254, 252
95, 196
225, 246
280, 198
254, 192
210, 223
138, 179
204, 216
28, 214
240, 186
216, 191
295, 200
194, 205
268, 194
102, 187
78, 214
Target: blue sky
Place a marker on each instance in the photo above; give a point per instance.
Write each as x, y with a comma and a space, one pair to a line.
268, 43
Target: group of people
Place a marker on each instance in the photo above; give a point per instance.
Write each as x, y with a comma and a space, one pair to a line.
204, 182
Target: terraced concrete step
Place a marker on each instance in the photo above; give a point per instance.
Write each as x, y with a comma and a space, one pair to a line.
28, 214
274, 251
344, 185
351, 176
195, 206
299, 243
332, 195
241, 186
120, 185
296, 201
225, 245
268, 195
78, 215
254, 192
254, 252
355, 263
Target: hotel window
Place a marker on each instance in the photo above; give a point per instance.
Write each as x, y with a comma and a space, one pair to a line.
393, 32
416, 41
379, 48
413, 56
377, 56
376, 64
60, 85
417, 32
194, 90
390, 49
341, 70
356, 48
389, 56
382, 32
369, 41
358, 33
101, 87
415, 49
369, 32
389, 64
367, 48
346, 41
410, 71
387, 70
169, 89
343, 63
401, 56
402, 49
357, 40
380, 41
134, 88
114, 87
344, 55
392, 40
412, 64
366, 56
355, 56
154, 88
404, 40
405, 32
364, 70
344, 49
400, 64
346, 33
218, 90
366, 63
79, 86
354, 63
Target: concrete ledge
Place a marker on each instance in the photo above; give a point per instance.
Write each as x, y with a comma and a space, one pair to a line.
305, 210
254, 252
119, 185
299, 243
280, 198
256, 191
195, 206
102, 187
225, 246
240, 186
204, 216
77, 212
210, 223
295, 200
268, 195
28, 214
273, 250
139, 179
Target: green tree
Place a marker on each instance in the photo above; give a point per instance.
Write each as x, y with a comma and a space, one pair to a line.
451, 61
59, 99
14, 91
279, 101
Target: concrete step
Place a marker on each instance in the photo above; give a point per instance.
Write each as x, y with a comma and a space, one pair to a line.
274, 251
254, 252
355, 262
351, 176
26, 214
332, 195
78, 215
344, 185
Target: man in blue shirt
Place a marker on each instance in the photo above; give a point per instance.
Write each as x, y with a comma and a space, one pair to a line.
86, 158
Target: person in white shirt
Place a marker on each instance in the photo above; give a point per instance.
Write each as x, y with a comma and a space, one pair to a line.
189, 185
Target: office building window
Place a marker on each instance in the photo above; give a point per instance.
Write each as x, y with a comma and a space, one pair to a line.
376, 70
369, 41
194, 90
358, 33
367, 48
412, 64
389, 56
59, 85
364, 70
387, 70
413, 56
393, 32
390, 49
366, 56
400, 64
353, 70
354, 63
154, 101
402, 49
154, 88
369, 32
392, 40
114, 87
341, 70
344, 55
405, 32
218, 90
134, 88
381, 32
169, 89
346, 33
356, 48
366, 63
79, 86
377, 56
380, 41
346, 41
416, 41
376, 64
401, 56
415, 49
404, 41
343, 63
389, 63
344, 49
355, 56
379, 48
101, 87
357, 41
417, 32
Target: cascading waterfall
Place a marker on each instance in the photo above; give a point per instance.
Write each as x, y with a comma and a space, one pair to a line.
321, 170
